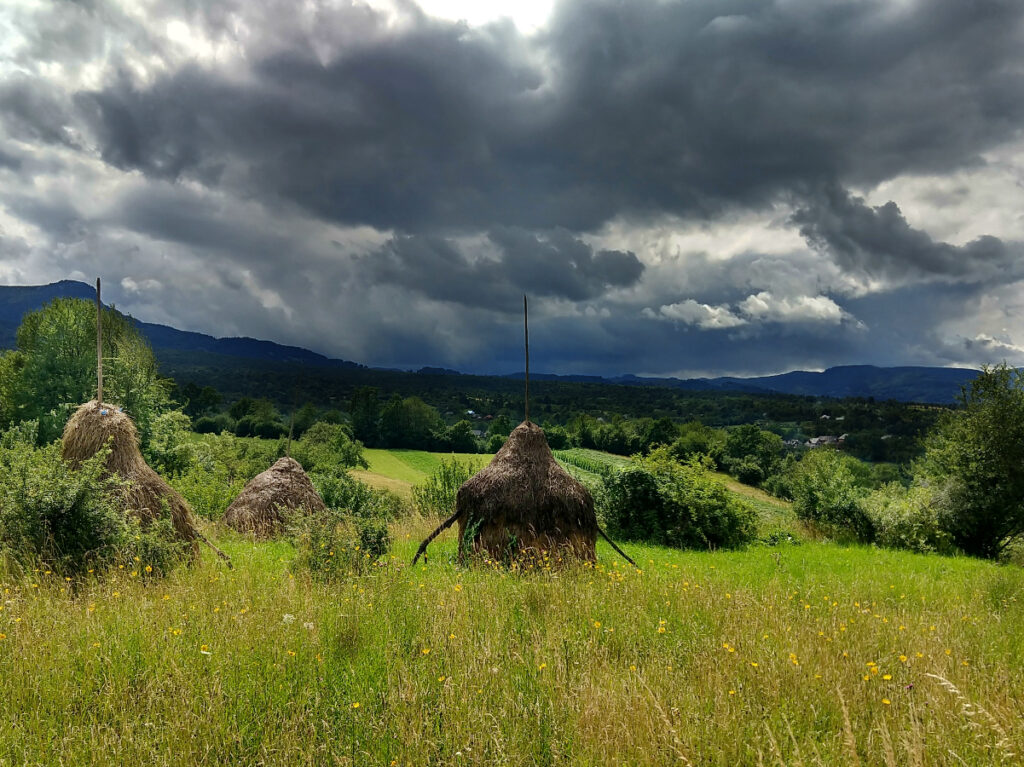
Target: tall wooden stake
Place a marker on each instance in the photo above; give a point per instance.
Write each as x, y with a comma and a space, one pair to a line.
526, 335
99, 345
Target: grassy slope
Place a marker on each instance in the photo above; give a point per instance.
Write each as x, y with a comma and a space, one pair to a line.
399, 470
759, 650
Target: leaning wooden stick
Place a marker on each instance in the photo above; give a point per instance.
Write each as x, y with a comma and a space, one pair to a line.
612, 543
441, 528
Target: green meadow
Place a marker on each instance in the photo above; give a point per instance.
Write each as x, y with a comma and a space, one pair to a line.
799, 653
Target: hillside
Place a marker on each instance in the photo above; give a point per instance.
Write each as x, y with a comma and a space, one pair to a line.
201, 358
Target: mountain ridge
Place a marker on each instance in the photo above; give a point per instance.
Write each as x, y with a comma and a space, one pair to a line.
904, 383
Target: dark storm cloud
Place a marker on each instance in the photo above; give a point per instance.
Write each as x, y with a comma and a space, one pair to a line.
456, 168
637, 109
554, 264
878, 242
32, 109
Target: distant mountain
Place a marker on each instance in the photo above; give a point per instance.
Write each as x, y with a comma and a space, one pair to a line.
15, 301
907, 384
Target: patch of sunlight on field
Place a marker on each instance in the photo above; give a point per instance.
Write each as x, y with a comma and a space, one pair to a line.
400, 470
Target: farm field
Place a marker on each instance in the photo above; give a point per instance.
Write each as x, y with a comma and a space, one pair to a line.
796, 654
399, 470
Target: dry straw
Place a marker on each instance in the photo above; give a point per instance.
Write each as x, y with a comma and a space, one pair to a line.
523, 503
94, 426
263, 504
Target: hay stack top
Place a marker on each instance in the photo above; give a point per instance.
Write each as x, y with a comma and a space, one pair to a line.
95, 424
261, 505
524, 501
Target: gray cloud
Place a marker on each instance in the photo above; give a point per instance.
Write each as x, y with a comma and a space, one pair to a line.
554, 264
637, 109
878, 242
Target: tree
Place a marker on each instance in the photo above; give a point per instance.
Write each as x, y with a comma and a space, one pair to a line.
409, 423
53, 369
751, 453
364, 411
974, 459
826, 491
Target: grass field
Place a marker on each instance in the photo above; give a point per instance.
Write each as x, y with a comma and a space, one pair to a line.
399, 470
799, 654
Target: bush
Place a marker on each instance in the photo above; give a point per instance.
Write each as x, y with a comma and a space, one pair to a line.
340, 490
436, 496
907, 519
335, 544
659, 500
54, 515
214, 424
170, 449
208, 488
825, 492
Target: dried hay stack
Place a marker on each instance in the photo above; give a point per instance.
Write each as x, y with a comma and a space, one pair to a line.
523, 502
91, 428
262, 505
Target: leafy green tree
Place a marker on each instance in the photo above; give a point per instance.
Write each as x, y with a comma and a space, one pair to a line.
696, 439
501, 426
975, 461
365, 414
460, 438
53, 369
409, 423
328, 447
825, 491
751, 452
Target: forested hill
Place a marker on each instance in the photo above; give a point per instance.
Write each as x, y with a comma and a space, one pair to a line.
221, 357
15, 301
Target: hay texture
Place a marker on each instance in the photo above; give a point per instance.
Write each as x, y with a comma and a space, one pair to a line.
269, 497
524, 503
146, 492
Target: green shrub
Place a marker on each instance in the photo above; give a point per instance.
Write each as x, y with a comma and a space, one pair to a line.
208, 488
436, 496
54, 515
340, 490
825, 492
907, 519
155, 550
170, 449
335, 544
659, 500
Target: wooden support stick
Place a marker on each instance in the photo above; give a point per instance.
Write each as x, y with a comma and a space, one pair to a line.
610, 541
440, 529
99, 344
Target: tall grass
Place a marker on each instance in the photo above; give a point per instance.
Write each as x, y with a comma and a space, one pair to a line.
811, 654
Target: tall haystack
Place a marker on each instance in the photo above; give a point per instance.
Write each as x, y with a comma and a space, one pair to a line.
93, 426
262, 505
524, 503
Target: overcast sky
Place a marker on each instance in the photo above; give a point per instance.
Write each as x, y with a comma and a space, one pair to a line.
683, 187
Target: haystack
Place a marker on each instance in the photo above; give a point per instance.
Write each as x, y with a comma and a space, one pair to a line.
262, 505
93, 426
524, 503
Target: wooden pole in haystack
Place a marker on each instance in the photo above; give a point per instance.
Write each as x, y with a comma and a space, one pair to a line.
99, 344
526, 336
